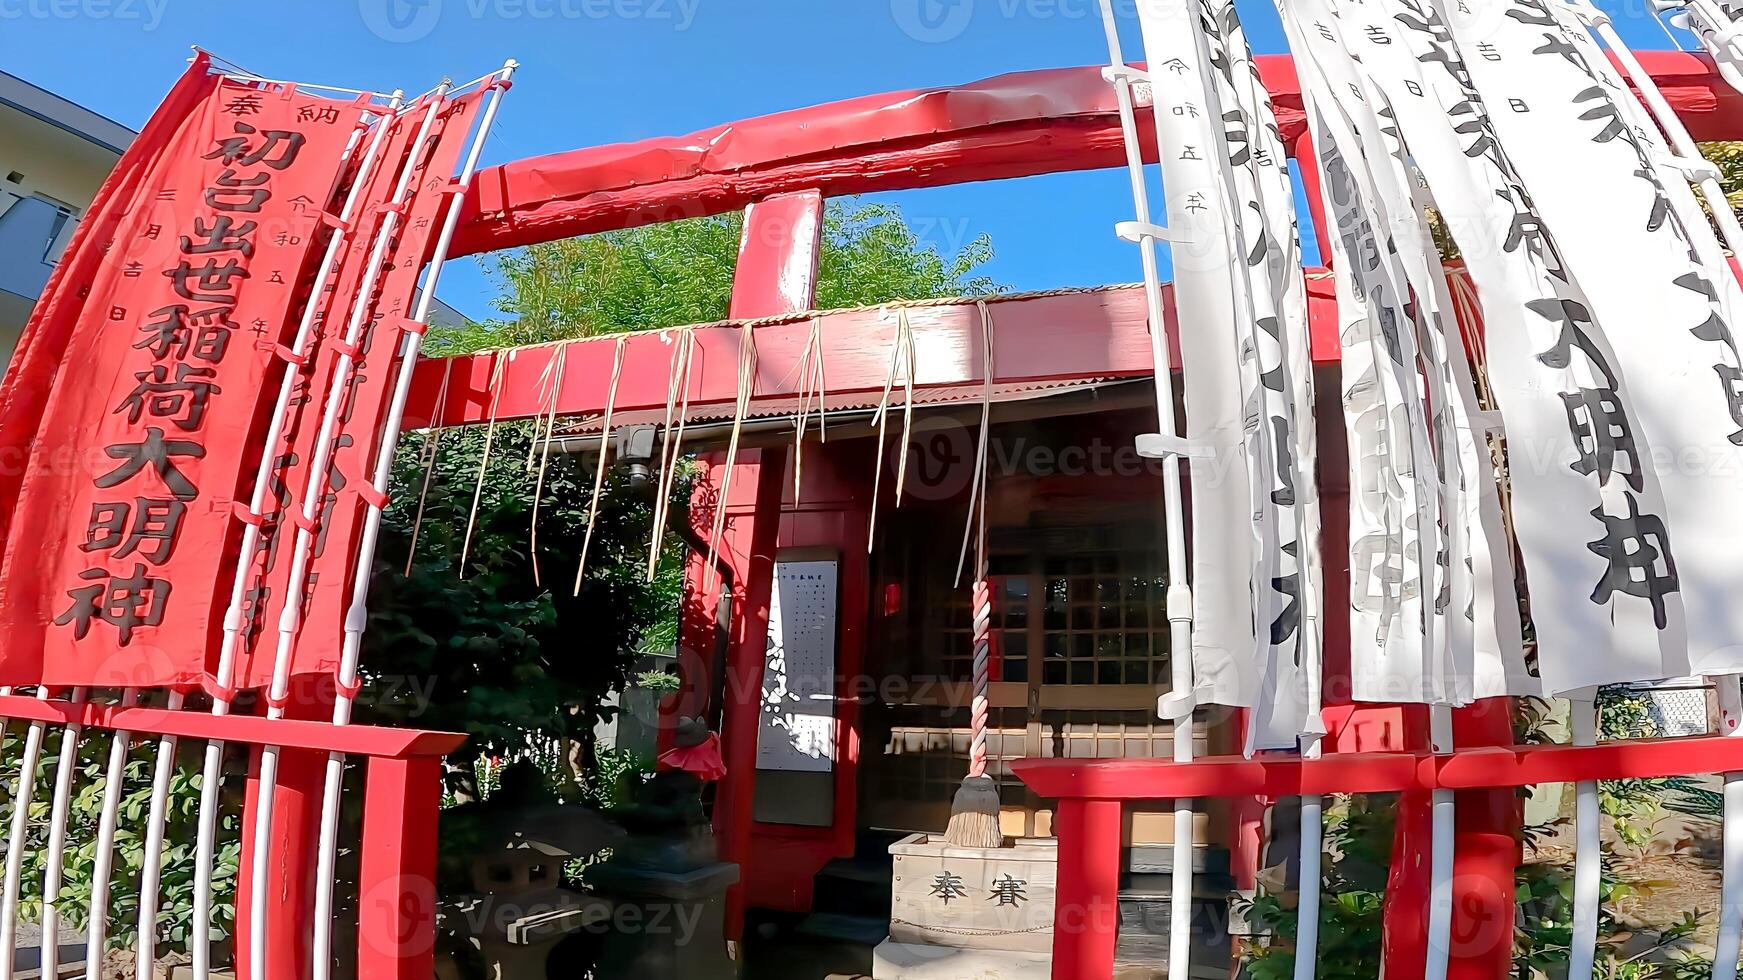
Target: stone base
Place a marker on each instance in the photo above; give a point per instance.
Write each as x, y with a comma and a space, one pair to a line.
915, 961
965, 915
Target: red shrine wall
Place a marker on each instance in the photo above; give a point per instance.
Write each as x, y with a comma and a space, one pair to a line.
830, 518
764, 522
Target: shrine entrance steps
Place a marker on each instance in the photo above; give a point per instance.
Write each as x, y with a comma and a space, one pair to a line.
851, 915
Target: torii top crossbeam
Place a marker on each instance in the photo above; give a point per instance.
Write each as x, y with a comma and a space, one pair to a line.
1022, 124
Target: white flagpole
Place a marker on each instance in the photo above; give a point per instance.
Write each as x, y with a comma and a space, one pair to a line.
1442, 826
311, 506
17, 840
1177, 705
1705, 177
1588, 850
151, 871
103, 862
66, 767
1725, 951
356, 615
1712, 25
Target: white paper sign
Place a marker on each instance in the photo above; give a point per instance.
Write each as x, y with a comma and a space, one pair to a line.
796, 732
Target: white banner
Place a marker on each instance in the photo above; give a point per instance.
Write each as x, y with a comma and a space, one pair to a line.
1241, 309
1587, 506
1225, 531
1398, 326
1688, 381
1285, 708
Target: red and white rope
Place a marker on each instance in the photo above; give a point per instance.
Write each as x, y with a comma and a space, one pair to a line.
983, 617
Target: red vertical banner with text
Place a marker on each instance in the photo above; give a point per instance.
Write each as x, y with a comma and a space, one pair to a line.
124, 530
346, 484
37, 358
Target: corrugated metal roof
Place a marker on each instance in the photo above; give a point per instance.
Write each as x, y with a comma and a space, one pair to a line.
787, 407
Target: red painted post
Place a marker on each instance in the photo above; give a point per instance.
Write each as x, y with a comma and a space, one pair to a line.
1086, 920
1486, 842
1307, 165
1404, 922
734, 814
396, 886
776, 273
296, 821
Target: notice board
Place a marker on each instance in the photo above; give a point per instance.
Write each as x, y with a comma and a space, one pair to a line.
796, 731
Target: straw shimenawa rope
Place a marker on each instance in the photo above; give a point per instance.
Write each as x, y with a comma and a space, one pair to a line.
604, 454
496, 371
804, 315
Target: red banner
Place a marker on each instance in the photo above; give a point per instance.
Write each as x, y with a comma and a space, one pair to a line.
124, 532
347, 482
37, 357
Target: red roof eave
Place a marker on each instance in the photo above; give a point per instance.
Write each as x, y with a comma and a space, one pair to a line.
1040, 340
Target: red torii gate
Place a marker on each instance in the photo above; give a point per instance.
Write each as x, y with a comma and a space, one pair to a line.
1019, 125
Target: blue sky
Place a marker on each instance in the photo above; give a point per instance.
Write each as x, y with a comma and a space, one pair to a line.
602, 71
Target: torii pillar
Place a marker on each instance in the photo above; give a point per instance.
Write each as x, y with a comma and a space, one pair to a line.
776, 273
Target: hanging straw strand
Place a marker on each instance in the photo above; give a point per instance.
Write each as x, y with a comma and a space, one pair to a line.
907, 345
881, 417
496, 372
432, 443
747, 375
977, 487
678, 408
604, 454
555, 372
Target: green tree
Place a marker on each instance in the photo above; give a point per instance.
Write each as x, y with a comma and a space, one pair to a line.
681, 272
1728, 157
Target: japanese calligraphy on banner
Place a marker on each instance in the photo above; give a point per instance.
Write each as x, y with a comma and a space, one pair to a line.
1240, 297
1288, 624
1228, 513
138, 460
1446, 630
327, 590
1659, 286
1589, 510
37, 357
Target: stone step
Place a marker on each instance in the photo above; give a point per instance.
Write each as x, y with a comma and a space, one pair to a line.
790, 946
854, 930
854, 886
1204, 886
1158, 859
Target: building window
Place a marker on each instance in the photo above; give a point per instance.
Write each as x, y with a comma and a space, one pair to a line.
1094, 619
66, 218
